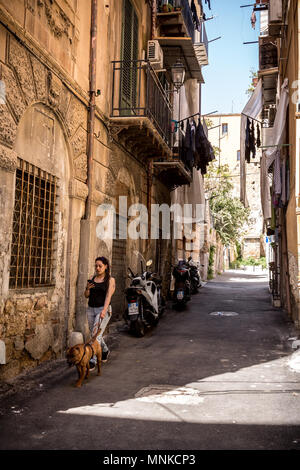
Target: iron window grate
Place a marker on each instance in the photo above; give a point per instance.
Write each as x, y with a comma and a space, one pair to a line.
34, 226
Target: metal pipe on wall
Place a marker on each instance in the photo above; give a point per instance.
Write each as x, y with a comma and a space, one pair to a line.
87, 224
150, 163
92, 104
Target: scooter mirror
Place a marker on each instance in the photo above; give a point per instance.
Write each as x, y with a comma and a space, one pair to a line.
131, 273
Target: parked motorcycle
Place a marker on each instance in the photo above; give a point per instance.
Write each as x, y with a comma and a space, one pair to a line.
145, 303
182, 288
194, 275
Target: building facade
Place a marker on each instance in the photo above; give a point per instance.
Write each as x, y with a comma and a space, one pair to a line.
278, 92
85, 118
225, 135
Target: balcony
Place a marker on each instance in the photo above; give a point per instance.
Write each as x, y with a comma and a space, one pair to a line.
141, 109
141, 119
178, 37
268, 68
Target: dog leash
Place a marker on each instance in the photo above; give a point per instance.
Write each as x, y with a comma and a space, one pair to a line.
92, 339
82, 356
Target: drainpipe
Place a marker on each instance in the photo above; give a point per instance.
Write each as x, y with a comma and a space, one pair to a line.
297, 196
92, 104
149, 191
87, 225
150, 163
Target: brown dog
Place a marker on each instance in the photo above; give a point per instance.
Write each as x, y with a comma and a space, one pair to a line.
80, 356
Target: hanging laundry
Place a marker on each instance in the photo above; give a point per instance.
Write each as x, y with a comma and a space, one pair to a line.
283, 199
202, 157
207, 2
174, 125
195, 16
193, 130
247, 141
253, 19
211, 153
188, 145
258, 141
252, 140
277, 174
181, 147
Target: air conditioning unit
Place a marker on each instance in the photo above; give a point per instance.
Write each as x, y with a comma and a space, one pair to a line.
155, 55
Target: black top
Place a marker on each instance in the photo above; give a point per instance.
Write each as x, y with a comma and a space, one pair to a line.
97, 294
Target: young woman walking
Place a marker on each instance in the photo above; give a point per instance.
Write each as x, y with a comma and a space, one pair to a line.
99, 291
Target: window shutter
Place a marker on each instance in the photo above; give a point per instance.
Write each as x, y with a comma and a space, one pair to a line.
129, 53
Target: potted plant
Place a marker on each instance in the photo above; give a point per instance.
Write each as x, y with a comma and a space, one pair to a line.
166, 6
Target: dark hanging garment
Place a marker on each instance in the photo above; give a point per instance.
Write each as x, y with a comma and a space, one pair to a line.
181, 147
252, 140
211, 153
201, 150
253, 19
208, 2
188, 145
247, 141
195, 16
258, 141
193, 131
199, 137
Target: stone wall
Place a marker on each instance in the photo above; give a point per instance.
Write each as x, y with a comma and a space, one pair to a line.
44, 122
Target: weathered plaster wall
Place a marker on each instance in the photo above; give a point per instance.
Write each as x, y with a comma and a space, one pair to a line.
290, 69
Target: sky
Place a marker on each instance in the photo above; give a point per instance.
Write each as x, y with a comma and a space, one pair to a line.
230, 61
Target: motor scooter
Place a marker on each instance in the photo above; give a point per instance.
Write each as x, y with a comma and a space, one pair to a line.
145, 304
194, 275
182, 289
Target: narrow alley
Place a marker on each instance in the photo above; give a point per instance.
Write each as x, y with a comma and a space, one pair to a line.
215, 376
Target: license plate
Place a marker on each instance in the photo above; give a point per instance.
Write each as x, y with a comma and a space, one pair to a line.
180, 294
133, 308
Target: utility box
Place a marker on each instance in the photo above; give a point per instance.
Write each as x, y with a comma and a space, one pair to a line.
2, 352
155, 55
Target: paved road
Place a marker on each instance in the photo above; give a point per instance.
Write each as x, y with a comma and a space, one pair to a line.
198, 381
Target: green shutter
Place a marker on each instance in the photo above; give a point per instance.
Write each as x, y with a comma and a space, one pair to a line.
129, 52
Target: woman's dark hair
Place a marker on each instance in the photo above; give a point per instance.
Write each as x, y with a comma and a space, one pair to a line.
107, 274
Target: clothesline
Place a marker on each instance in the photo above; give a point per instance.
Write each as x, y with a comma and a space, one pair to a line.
189, 117
250, 117
196, 114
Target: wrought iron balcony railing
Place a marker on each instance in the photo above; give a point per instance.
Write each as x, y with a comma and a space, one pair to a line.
137, 92
185, 9
183, 23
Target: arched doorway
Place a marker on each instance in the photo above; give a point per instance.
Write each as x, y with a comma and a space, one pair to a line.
39, 247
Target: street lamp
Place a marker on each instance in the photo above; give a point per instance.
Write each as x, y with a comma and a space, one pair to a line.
178, 73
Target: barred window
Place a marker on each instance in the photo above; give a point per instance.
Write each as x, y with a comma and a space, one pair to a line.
34, 221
